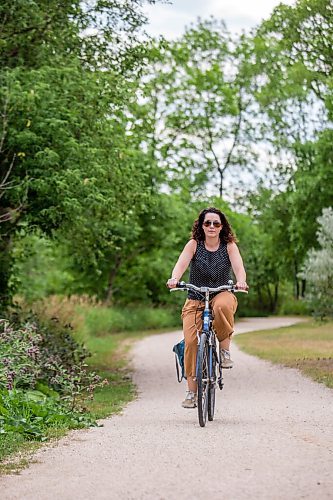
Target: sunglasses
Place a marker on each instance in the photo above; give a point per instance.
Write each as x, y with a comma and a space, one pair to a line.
214, 223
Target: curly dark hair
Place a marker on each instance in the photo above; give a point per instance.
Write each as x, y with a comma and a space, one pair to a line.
226, 234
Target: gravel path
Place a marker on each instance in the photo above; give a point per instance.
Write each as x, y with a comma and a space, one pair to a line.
272, 438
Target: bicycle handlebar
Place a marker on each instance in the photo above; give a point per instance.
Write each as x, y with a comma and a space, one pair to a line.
181, 285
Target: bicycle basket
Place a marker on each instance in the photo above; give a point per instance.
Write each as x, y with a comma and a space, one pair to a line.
179, 350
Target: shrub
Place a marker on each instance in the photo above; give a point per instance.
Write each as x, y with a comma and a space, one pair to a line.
44, 352
19, 351
31, 413
294, 306
43, 378
318, 268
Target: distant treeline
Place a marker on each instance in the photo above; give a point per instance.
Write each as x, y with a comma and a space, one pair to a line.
110, 143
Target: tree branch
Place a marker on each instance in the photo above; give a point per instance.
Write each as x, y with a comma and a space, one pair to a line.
7, 216
4, 123
236, 133
4, 184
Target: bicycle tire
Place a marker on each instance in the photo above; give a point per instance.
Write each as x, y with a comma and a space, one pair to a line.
212, 388
203, 380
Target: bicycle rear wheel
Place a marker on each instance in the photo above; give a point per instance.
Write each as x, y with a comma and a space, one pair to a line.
203, 380
212, 385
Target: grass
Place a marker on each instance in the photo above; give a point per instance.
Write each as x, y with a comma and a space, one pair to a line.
306, 346
16, 451
110, 360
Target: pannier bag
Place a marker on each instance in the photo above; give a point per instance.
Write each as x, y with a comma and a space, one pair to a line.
179, 350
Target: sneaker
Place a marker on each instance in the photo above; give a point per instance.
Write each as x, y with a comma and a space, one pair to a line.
225, 359
190, 401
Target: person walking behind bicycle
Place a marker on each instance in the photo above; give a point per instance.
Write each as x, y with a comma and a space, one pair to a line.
212, 253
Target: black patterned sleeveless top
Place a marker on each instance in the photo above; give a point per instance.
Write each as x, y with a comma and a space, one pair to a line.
207, 268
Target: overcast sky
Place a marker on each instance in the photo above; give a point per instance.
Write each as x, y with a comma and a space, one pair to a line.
170, 20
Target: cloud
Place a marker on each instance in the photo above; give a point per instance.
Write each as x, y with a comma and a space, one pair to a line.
244, 13
166, 20
170, 20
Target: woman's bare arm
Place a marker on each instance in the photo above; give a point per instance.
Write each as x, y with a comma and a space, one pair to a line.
237, 265
182, 263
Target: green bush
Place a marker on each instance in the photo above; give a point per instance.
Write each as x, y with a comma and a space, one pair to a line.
19, 352
43, 378
318, 269
293, 306
249, 306
45, 353
30, 413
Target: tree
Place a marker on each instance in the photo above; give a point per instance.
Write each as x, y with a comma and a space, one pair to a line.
292, 68
293, 54
100, 34
67, 71
199, 101
311, 189
291, 60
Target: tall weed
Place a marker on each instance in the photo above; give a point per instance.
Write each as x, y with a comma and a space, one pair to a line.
90, 317
100, 321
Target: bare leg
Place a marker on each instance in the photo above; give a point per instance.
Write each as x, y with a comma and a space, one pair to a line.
225, 344
192, 385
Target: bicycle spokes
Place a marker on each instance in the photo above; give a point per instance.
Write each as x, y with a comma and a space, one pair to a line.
203, 379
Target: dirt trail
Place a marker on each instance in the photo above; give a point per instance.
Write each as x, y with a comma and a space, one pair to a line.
272, 438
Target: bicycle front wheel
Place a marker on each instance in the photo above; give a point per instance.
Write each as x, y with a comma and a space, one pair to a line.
203, 380
212, 384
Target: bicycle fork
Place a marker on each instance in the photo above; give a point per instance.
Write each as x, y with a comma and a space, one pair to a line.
220, 377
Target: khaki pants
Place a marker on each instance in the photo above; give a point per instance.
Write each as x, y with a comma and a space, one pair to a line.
224, 306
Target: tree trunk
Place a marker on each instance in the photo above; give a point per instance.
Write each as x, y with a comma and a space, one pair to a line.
296, 282
221, 183
276, 295
5, 293
112, 275
260, 298
270, 298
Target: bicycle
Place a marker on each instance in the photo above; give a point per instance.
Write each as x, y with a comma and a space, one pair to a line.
208, 356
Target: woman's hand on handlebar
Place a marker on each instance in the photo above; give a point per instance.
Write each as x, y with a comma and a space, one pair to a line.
242, 285
172, 283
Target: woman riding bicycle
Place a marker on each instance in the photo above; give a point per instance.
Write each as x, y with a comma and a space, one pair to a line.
211, 253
